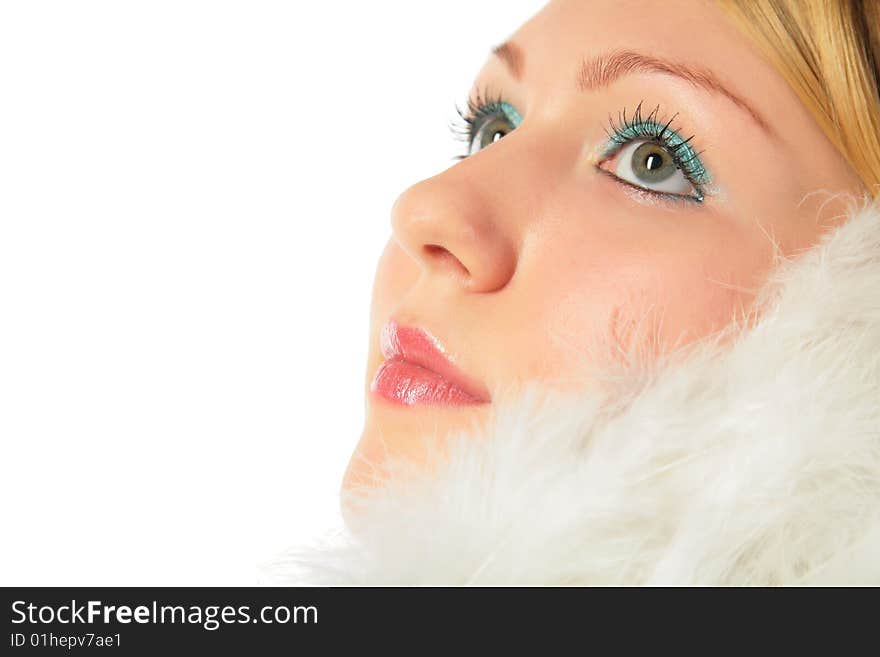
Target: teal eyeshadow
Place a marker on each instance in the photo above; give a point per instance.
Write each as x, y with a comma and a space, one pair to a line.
685, 156
509, 112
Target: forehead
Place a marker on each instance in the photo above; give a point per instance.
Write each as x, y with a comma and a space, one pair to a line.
695, 32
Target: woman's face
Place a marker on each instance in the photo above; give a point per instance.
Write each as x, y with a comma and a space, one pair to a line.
649, 161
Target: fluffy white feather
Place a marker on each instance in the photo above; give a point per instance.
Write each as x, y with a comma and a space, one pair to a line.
753, 458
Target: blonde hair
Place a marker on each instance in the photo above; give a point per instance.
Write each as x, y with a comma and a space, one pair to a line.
829, 52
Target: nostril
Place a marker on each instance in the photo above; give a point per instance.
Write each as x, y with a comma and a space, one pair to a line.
443, 256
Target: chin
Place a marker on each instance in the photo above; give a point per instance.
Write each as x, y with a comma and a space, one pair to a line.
406, 436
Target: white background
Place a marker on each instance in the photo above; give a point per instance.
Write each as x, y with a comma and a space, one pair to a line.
193, 196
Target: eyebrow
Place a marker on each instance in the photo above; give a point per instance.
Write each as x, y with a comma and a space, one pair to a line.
512, 55
600, 71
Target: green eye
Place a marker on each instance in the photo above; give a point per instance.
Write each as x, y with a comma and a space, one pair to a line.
647, 153
651, 166
651, 163
490, 132
487, 122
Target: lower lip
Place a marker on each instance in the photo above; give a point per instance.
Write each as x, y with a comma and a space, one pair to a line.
408, 384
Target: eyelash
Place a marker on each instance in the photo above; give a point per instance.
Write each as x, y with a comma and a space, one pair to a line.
661, 132
481, 105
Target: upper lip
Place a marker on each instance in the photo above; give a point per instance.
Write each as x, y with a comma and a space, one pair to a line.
421, 348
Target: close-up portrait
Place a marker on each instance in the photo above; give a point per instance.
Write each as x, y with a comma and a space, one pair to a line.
557, 294
632, 336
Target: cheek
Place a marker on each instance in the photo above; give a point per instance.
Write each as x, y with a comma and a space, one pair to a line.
621, 288
701, 296
633, 312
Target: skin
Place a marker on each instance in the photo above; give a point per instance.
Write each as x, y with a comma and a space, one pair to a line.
524, 252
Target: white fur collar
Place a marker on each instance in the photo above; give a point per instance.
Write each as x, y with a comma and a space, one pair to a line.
757, 462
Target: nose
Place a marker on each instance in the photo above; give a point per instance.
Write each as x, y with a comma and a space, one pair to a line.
452, 227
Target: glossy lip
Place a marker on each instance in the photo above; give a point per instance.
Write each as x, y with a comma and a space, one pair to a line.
418, 371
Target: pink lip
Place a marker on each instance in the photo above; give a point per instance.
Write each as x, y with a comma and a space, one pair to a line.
417, 371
